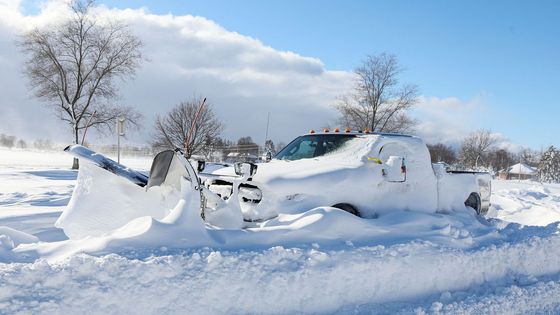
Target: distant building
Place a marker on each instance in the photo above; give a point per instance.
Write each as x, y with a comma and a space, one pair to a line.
247, 152
235, 157
518, 171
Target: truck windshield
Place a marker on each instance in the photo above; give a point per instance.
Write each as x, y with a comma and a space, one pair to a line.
311, 146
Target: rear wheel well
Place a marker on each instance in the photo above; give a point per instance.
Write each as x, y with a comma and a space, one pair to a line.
348, 208
474, 202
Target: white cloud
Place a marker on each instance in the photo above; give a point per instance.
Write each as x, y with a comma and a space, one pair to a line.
188, 55
449, 120
241, 76
446, 120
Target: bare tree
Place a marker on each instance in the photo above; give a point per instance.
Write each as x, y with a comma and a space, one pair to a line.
185, 126
7, 141
245, 141
442, 153
43, 144
21, 144
73, 67
378, 102
529, 157
475, 148
501, 159
281, 145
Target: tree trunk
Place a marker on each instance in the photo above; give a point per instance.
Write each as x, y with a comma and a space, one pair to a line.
76, 163
372, 129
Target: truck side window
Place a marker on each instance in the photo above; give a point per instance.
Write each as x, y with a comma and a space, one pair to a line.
394, 156
390, 149
305, 149
310, 146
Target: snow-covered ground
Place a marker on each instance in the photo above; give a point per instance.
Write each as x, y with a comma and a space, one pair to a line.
526, 202
408, 263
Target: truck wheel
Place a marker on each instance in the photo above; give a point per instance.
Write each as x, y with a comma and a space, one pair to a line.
348, 208
474, 202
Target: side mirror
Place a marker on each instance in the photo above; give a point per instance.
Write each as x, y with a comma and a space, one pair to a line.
394, 169
440, 168
245, 169
200, 166
268, 156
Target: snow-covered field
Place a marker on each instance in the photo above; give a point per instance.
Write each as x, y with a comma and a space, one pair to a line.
403, 263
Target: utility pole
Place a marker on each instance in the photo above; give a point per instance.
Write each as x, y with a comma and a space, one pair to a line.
192, 130
120, 133
519, 175
266, 134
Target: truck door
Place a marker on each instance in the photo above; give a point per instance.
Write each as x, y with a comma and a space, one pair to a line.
393, 157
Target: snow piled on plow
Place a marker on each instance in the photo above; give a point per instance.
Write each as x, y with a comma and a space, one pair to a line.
102, 202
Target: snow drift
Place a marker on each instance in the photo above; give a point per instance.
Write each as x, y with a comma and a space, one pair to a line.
283, 280
109, 214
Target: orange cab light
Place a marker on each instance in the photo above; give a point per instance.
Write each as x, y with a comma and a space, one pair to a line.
346, 129
336, 130
311, 131
326, 130
366, 130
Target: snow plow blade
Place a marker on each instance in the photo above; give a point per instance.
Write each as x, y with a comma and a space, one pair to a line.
106, 163
160, 168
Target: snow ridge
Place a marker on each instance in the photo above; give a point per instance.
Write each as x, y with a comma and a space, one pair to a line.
285, 280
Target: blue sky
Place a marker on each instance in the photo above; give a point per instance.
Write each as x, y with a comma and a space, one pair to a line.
505, 54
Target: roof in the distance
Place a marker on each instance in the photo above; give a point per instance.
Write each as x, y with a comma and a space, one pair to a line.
522, 169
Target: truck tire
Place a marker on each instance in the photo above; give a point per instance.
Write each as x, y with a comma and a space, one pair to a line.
474, 202
348, 208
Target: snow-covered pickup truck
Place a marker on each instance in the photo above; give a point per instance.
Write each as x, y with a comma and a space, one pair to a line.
367, 174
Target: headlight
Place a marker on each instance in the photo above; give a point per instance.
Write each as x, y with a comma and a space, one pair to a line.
200, 166
250, 193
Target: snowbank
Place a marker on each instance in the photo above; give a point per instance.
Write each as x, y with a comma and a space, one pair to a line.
10, 239
308, 279
525, 202
109, 214
16, 237
33, 159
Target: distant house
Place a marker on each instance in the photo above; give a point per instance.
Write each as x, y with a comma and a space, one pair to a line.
518, 171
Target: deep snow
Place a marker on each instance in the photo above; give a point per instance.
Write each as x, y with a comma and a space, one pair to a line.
526, 202
410, 263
